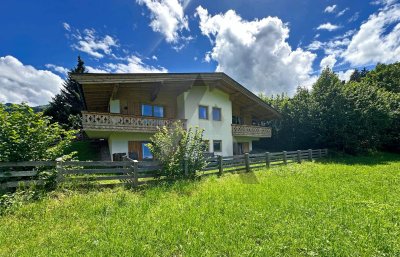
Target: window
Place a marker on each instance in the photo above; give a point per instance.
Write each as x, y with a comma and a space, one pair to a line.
153, 110
203, 112
217, 144
216, 113
158, 111
146, 153
237, 120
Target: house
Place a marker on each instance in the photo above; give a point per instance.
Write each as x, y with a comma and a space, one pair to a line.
127, 109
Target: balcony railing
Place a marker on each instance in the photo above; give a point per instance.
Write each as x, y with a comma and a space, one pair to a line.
127, 123
250, 131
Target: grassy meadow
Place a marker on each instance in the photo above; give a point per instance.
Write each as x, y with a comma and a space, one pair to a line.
347, 206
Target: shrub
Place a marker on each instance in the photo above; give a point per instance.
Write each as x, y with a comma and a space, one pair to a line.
173, 147
29, 136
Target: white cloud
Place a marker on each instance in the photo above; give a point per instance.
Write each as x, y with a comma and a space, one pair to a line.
154, 58
23, 83
133, 64
354, 17
328, 61
378, 39
328, 26
345, 75
59, 69
330, 9
66, 26
91, 44
256, 52
167, 17
342, 12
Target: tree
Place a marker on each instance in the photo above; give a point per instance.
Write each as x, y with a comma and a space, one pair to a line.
172, 147
386, 76
29, 136
66, 106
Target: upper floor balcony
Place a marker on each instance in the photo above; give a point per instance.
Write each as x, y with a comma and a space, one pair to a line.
250, 131
124, 123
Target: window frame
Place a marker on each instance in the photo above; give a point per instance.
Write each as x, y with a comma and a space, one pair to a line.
207, 116
152, 110
143, 147
220, 113
220, 145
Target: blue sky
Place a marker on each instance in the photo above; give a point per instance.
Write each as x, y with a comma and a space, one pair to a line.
269, 46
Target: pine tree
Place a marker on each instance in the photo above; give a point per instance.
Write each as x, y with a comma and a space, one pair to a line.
66, 106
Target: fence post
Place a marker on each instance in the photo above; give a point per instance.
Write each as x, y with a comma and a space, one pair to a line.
247, 162
267, 160
310, 155
298, 156
319, 153
326, 151
135, 173
284, 157
185, 166
220, 163
59, 170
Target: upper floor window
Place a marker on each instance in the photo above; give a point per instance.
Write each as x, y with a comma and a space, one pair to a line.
203, 112
237, 120
216, 113
153, 110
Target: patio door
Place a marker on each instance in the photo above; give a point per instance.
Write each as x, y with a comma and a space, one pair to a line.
135, 150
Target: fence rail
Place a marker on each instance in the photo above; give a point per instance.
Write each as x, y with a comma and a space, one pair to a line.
132, 172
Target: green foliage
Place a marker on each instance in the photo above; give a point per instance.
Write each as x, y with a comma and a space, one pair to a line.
358, 116
65, 108
348, 206
172, 147
386, 76
29, 136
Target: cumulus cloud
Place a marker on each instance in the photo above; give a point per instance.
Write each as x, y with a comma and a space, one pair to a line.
377, 40
24, 83
328, 61
133, 64
88, 42
328, 26
330, 9
62, 70
256, 53
345, 75
167, 17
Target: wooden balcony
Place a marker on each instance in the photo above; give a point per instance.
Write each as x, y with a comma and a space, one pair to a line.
250, 131
126, 123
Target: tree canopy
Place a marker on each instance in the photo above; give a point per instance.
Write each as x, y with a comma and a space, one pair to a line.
65, 108
360, 115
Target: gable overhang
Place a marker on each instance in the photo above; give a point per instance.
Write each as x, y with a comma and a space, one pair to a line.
99, 88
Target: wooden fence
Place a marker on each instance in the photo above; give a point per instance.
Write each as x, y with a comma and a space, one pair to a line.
134, 172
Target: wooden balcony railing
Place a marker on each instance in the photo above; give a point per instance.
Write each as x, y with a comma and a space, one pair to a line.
250, 131
127, 123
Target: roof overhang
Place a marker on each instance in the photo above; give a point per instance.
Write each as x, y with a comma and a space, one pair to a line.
101, 86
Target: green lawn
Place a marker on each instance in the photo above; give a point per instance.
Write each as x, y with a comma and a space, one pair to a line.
341, 207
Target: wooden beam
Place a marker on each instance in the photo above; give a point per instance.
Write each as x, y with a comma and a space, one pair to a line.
234, 96
114, 91
154, 93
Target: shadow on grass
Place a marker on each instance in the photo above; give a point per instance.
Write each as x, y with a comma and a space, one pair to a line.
377, 158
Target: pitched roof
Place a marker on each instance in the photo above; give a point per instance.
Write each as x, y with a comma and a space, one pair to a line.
215, 79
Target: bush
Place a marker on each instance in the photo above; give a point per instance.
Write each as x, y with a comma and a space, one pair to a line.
29, 136
172, 147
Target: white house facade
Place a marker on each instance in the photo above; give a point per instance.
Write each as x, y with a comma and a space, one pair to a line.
127, 109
